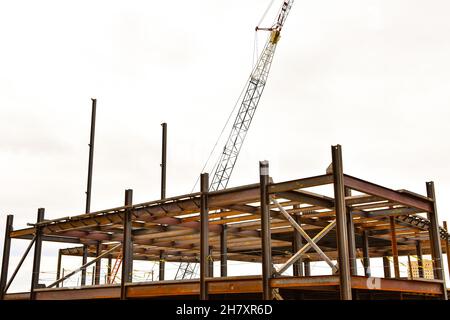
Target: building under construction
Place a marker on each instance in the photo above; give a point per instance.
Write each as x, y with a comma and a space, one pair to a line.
282, 226
287, 224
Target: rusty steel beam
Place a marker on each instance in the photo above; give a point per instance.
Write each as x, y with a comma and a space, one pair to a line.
234, 285
388, 194
265, 230
297, 244
204, 237
224, 251
162, 265
341, 224
386, 267
98, 263
351, 235
419, 253
83, 262
6, 254
394, 247
307, 197
163, 160
307, 265
300, 183
66, 276
447, 246
58, 266
37, 256
210, 262
91, 157
366, 257
435, 239
24, 256
127, 246
108, 272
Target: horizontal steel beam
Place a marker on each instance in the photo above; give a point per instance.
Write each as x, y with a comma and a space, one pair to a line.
232, 285
388, 194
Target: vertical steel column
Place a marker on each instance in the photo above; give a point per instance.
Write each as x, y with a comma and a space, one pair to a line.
435, 238
351, 236
6, 254
58, 267
223, 251
386, 267
204, 235
210, 262
98, 263
265, 230
297, 244
37, 255
127, 246
366, 257
410, 267
447, 245
83, 262
163, 160
91, 157
394, 247
162, 265
108, 275
307, 264
419, 253
341, 224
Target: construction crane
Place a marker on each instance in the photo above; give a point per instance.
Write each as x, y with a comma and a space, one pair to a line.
253, 91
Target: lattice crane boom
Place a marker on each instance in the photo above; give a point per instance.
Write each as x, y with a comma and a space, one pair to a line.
253, 91
249, 103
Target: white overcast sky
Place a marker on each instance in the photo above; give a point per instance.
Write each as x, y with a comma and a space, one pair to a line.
371, 75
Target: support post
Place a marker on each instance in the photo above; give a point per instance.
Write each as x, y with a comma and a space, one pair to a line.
162, 265
163, 160
108, 275
366, 257
204, 235
6, 254
411, 276
341, 224
297, 244
210, 262
58, 266
265, 230
351, 236
127, 246
447, 247
435, 239
223, 251
83, 262
386, 267
419, 253
98, 263
307, 264
91, 156
394, 248
37, 255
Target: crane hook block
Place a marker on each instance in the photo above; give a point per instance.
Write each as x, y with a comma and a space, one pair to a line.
274, 36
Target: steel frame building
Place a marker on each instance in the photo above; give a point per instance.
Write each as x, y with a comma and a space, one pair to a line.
284, 223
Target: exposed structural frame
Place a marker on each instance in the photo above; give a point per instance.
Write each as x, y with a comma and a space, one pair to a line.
265, 223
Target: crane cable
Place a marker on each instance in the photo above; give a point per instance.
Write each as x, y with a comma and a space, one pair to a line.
255, 55
265, 12
220, 135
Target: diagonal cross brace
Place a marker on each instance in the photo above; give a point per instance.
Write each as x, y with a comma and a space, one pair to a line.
306, 247
83, 266
305, 235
